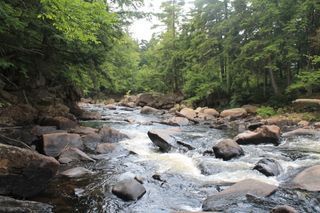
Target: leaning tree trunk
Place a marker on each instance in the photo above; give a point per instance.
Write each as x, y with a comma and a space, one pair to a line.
273, 82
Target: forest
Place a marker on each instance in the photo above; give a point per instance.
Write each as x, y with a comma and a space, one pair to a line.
241, 51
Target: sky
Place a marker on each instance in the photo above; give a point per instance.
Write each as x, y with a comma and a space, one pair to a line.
141, 29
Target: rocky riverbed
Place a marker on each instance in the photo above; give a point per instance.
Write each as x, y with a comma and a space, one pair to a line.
127, 158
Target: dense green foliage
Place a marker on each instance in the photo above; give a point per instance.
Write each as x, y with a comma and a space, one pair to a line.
242, 50
50, 43
221, 52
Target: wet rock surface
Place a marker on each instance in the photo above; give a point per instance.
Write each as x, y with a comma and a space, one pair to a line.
227, 149
129, 190
308, 179
10, 205
263, 134
268, 167
24, 173
237, 192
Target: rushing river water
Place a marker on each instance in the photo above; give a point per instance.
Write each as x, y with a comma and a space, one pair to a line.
181, 179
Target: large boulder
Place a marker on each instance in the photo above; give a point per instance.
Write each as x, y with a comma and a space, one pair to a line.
162, 139
308, 179
60, 122
250, 109
110, 135
158, 101
237, 193
23, 172
90, 141
210, 112
234, 113
41, 130
227, 149
55, 143
268, 167
188, 113
10, 205
263, 134
129, 190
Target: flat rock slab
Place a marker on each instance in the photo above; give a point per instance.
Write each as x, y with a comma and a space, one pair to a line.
10, 205
308, 179
162, 139
76, 172
236, 193
71, 154
129, 190
23, 172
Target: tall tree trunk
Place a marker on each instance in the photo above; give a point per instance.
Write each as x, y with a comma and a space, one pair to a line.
273, 82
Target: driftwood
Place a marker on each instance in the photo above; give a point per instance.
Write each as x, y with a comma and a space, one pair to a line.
306, 101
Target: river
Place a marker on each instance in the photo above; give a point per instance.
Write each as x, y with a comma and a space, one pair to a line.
180, 179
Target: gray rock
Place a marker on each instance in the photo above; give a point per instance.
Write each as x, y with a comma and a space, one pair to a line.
10, 205
76, 172
71, 154
227, 149
91, 141
161, 139
308, 179
129, 190
236, 193
148, 110
110, 135
54, 144
268, 167
24, 172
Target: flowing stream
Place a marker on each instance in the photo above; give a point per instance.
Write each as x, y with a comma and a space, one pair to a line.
181, 179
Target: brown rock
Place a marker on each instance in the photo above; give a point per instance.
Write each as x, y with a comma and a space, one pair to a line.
83, 130
21, 114
238, 191
148, 110
90, 116
188, 113
24, 173
105, 148
55, 143
263, 134
308, 179
250, 109
234, 113
176, 121
41, 130
60, 122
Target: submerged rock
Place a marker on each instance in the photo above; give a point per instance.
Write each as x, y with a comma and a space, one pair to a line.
76, 172
283, 209
161, 139
301, 132
54, 144
129, 190
110, 135
264, 134
10, 205
308, 179
227, 149
24, 173
237, 193
268, 167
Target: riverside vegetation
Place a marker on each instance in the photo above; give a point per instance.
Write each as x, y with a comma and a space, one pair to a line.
226, 118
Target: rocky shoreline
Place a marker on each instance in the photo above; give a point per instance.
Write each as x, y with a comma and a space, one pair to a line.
57, 143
